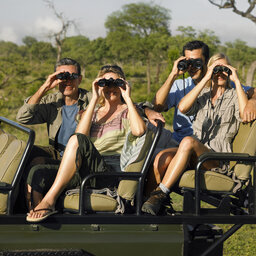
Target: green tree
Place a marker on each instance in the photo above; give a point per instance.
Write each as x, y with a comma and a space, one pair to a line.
134, 31
11, 63
187, 32
99, 52
42, 51
29, 41
209, 37
77, 47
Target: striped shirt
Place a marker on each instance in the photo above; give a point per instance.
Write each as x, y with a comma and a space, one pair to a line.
109, 137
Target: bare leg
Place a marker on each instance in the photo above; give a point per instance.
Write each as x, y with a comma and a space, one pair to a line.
157, 171
162, 162
189, 150
187, 153
65, 173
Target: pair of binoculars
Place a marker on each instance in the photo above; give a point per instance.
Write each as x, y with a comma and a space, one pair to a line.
111, 82
195, 63
222, 69
67, 76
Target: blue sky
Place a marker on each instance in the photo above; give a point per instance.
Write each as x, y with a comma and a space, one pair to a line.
21, 18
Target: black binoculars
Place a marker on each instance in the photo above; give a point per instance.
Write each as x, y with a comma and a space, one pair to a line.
195, 63
67, 76
218, 69
111, 82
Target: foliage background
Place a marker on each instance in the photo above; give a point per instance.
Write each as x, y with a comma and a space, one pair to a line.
139, 40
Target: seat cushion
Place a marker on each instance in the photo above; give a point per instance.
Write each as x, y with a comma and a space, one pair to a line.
93, 202
5, 140
210, 180
9, 159
127, 188
244, 142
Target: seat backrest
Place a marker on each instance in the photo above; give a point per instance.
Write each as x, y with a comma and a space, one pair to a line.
11, 152
5, 140
127, 188
244, 142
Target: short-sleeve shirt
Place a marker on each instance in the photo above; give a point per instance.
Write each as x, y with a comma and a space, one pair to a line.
68, 125
182, 124
223, 119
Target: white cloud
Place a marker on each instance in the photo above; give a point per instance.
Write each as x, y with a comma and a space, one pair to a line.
46, 25
8, 34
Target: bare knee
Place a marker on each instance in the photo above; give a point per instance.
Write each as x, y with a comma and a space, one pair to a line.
157, 159
188, 144
71, 149
163, 159
162, 162
73, 142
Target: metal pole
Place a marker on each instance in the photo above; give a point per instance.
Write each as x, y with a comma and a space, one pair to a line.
225, 236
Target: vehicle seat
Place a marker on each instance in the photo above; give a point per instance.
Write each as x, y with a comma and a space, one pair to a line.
14, 153
132, 182
11, 151
216, 183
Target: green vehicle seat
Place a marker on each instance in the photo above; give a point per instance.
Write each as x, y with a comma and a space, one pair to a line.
221, 186
131, 184
13, 154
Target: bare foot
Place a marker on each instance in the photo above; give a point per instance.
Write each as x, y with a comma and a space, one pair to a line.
41, 212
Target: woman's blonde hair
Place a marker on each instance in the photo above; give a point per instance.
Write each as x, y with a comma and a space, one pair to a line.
110, 69
215, 57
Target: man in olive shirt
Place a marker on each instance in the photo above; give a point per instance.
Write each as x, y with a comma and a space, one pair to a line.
57, 110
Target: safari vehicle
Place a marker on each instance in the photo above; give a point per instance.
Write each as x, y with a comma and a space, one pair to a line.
88, 224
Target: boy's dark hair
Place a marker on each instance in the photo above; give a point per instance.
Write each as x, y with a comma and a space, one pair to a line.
68, 61
196, 44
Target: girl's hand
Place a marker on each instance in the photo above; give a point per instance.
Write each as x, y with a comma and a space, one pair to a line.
126, 91
209, 73
96, 89
233, 76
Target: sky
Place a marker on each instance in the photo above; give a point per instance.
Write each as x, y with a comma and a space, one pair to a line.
20, 18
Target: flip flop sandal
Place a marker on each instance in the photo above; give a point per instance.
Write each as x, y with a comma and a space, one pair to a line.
39, 219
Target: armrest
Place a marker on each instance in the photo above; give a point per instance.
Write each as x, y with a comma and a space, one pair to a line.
243, 157
5, 186
240, 157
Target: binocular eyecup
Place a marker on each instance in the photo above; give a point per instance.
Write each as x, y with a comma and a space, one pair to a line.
194, 63
221, 69
67, 76
111, 82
